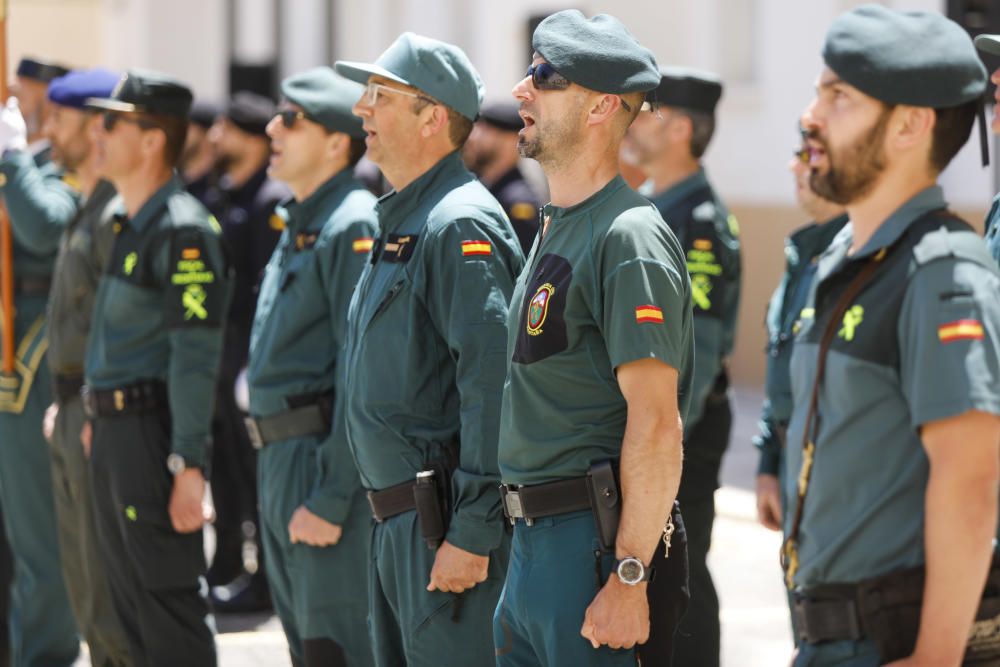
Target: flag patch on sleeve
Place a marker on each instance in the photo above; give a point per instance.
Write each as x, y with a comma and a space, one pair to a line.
362, 245
649, 313
476, 248
960, 330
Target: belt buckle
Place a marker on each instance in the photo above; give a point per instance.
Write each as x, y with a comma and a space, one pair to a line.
253, 432
512, 506
370, 495
119, 398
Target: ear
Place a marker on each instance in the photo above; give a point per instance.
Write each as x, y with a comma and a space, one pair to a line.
153, 142
679, 128
434, 122
336, 145
603, 108
911, 127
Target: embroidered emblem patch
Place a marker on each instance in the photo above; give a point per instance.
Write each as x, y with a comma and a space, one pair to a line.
960, 330
649, 313
538, 309
852, 320
130, 261
362, 245
476, 248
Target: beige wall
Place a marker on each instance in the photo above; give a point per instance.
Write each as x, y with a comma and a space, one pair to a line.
66, 31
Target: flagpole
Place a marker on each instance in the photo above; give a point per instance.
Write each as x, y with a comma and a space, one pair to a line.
6, 241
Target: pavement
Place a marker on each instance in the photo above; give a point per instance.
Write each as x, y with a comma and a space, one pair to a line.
743, 560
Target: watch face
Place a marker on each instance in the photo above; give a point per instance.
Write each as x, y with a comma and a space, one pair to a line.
175, 463
630, 571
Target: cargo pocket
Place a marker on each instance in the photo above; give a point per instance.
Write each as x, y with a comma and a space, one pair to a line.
164, 558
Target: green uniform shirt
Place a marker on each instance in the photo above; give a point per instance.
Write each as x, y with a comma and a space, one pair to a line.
993, 229
605, 286
802, 251
918, 344
709, 237
84, 252
160, 309
301, 317
426, 344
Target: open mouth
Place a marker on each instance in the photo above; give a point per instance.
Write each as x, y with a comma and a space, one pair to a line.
526, 117
817, 154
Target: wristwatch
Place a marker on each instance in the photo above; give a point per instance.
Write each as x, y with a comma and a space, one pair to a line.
177, 464
632, 572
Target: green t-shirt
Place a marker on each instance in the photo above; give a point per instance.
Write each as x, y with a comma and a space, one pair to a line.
606, 285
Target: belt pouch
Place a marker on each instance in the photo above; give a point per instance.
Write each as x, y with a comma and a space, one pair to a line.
430, 509
605, 502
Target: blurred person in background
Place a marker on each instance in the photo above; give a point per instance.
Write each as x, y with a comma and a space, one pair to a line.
199, 164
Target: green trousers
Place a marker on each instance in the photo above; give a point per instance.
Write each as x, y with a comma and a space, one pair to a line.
42, 631
411, 626
861, 653
556, 570
82, 566
318, 593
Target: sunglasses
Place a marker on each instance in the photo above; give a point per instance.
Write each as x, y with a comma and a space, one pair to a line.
545, 77
372, 92
111, 119
289, 117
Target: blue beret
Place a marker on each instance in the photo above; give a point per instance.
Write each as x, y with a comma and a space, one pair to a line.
915, 58
441, 70
326, 99
598, 53
75, 88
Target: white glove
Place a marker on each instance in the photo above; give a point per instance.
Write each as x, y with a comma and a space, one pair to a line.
241, 391
13, 131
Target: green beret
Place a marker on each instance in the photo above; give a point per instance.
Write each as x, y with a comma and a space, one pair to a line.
598, 53
915, 58
685, 88
989, 44
326, 99
441, 70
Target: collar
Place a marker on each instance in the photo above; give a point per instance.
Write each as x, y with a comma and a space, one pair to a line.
301, 214
677, 192
925, 201
810, 241
151, 209
555, 213
393, 207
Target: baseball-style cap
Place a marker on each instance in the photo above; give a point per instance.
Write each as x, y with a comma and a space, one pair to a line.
326, 98
147, 92
686, 88
439, 69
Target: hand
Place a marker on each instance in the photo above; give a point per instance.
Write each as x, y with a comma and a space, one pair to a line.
49, 422
618, 616
456, 570
186, 512
310, 529
769, 501
13, 130
86, 437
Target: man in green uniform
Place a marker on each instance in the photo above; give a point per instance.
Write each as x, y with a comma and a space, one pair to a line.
40, 206
151, 366
895, 427
491, 154
668, 143
83, 254
802, 250
991, 44
30, 87
313, 515
600, 343
425, 362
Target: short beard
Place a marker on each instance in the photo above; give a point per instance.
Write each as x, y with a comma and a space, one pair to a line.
861, 164
555, 145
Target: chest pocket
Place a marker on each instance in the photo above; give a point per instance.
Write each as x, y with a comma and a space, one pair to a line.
542, 330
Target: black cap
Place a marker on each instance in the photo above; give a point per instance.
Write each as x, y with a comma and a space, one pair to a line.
502, 114
40, 70
251, 112
684, 88
147, 92
204, 113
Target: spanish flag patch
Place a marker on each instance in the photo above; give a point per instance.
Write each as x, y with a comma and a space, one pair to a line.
648, 313
476, 248
960, 330
362, 245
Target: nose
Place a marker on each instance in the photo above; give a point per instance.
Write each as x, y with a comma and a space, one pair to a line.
995, 77
810, 118
273, 127
523, 90
361, 107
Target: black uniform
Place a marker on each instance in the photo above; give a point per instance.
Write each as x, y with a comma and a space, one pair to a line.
521, 205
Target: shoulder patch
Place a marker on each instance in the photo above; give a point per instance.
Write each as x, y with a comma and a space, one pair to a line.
649, 314
362, 245
734, 225
476, 248
704, 211
960, 330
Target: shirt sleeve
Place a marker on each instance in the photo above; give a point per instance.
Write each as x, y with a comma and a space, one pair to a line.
949, 333
198, 284
473, 268
39, 202
341, 261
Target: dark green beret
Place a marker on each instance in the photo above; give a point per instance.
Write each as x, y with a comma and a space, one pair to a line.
148, 92
598, 53
326, 99
441, 70
502, 114
685, 88
989, 44
916, 58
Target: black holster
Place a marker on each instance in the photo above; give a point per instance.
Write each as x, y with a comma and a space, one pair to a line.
606, 503
432, 497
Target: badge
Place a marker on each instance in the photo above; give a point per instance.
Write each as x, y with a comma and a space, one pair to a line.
538, 309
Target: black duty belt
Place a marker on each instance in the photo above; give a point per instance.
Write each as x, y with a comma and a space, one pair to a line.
147, 396
66, 387
32, 285
298, 422
827, 614
542, 500
393, 500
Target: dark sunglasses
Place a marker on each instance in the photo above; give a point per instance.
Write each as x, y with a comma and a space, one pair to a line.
545, 77
111, 119
291, 116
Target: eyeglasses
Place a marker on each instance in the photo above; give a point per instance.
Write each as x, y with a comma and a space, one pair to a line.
111, 119
291, 116
372, 92
545, 77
